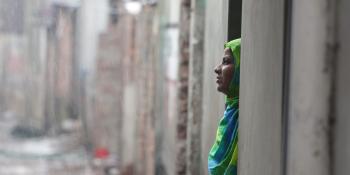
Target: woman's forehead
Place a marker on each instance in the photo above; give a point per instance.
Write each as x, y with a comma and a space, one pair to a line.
227, 52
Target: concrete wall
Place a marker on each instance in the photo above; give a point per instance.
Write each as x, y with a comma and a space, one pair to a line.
64, 67
213, 101
182, 89
147, 62
89, 26
195, 88
312, 57
12, 50
129, 93
342, 95
108, 107
35, 69
169, 53
261, 87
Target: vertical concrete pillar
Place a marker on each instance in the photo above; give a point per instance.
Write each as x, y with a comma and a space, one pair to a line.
34, 72
182, 97
63, 64
312, 59
146, 60
342, 95
167, 88
91, 22
261, 87
195, 89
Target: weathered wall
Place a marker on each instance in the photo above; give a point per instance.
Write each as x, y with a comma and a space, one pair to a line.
147, 60
261, 87
129, 93
91, 21
108, 120
182, 94
195, 88
213, 101
312, 57
34, 69
64, 66
342, 95
168, 78
12, 76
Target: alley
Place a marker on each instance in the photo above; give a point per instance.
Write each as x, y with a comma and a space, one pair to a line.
162, 87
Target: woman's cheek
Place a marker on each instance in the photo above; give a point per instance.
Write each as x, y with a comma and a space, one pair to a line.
227, 72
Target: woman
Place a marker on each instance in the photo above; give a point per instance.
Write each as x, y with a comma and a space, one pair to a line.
223, 155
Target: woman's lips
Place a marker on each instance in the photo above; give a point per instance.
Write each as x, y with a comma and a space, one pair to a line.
217, 79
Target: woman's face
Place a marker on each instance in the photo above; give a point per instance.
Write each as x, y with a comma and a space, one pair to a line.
224, 72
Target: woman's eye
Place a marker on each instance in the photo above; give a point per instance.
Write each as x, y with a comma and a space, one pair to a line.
225, 61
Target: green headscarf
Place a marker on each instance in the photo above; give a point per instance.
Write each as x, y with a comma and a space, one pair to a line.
235, 46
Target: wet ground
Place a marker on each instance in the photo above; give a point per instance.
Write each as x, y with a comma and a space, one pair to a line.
75, 163
60, 155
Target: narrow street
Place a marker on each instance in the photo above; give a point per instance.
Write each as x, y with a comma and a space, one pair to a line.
58, 155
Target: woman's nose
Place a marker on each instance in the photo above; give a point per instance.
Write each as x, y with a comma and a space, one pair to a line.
217, 69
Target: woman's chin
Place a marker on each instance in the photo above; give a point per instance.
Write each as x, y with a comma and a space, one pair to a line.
219, 88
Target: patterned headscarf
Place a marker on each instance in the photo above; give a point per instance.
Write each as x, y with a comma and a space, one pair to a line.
223, 156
